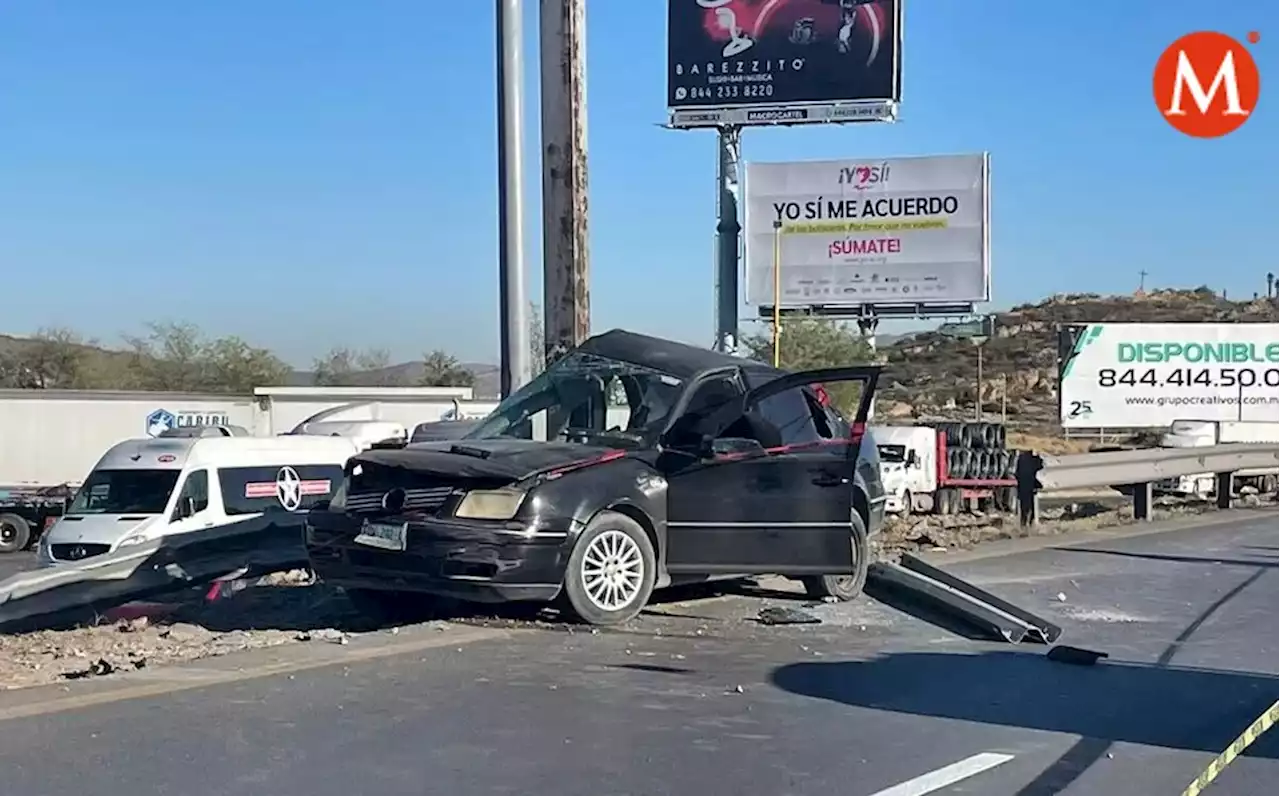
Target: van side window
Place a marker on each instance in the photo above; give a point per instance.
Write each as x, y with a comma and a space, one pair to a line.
196, 487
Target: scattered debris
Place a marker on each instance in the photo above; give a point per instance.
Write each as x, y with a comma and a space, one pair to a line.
1077, 656
783, 615
98, 668
324, 634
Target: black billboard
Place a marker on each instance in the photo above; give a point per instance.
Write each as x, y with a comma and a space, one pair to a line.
782, 61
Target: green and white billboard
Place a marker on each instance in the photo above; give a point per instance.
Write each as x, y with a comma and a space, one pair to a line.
1134, 375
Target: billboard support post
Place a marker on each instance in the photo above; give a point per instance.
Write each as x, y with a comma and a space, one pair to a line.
513, 296
777, 294
728, 236
566, 286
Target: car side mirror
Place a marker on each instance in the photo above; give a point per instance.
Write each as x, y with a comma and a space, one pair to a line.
731, 446
911, 458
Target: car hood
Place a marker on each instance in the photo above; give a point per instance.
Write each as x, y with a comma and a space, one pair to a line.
98, 528
499, 459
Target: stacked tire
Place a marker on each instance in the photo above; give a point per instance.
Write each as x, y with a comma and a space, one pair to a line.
976, 452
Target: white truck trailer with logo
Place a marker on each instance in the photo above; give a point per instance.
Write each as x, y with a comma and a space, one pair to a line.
1201, 433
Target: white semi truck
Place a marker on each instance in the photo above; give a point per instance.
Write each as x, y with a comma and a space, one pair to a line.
1200, 433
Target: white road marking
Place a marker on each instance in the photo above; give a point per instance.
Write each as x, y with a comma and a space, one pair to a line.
947, 775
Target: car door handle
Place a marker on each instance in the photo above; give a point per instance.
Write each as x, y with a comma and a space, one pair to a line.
829, 479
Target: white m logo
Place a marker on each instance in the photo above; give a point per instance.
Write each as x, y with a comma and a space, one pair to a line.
1225, 79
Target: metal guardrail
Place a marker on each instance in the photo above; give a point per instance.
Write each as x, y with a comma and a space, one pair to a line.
1139, 470
73, 593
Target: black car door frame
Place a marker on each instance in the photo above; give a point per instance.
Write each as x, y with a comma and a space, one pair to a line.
737, 514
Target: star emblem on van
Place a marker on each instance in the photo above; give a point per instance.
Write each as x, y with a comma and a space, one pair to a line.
289, 488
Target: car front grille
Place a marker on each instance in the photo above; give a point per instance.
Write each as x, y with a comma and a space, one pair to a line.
426, 500
78, 551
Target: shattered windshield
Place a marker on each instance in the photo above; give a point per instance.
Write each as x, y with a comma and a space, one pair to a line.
589, 399
125, 492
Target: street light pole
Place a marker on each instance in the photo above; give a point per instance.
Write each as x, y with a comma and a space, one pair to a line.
512, 295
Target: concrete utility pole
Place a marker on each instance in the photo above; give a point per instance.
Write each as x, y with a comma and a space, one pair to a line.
513, 297
565, 262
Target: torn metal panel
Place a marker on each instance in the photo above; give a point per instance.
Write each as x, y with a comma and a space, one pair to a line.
1039, 629
937, 589
67, 594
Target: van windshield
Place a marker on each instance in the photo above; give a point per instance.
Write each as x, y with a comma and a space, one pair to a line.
125, 492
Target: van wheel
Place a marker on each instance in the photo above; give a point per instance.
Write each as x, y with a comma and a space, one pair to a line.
844, 587
15, 533
908, 504
389, 608
611, 571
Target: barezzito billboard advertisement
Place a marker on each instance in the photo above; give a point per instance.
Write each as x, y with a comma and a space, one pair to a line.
749, 62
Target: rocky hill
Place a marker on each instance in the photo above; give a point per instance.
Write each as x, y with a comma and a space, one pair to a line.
930, 375
933, 375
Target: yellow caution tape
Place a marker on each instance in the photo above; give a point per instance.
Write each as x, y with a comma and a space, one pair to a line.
1259, 726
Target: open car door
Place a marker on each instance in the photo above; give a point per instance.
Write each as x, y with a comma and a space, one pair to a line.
775, 494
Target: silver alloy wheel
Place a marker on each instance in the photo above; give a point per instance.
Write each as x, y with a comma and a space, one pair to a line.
612, 570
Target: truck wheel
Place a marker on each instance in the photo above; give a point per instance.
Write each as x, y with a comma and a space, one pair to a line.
946, 503
15, 532
844, 587
908, 504
611, 570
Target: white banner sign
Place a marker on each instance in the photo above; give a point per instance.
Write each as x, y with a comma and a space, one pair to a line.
851, 232
1134, 375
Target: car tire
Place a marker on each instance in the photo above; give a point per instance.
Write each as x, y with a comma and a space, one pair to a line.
844, 587
611, 571
388, 608
15, 533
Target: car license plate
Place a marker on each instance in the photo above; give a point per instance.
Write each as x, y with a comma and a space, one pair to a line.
383, 535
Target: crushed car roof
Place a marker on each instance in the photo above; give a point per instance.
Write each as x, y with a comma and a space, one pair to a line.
667, 356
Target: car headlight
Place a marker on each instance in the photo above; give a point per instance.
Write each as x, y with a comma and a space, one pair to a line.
490, 504
137, 538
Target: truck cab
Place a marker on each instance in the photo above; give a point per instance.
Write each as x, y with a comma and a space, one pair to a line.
908, 466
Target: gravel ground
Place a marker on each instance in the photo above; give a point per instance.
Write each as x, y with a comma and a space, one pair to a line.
288, 608
965, 531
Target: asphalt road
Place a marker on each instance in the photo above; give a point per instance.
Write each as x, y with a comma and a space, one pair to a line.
696, 698
13, 563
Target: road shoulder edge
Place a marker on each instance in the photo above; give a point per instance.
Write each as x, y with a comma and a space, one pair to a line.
1071, 538
238, 666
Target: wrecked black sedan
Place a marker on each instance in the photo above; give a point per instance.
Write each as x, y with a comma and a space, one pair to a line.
632, 464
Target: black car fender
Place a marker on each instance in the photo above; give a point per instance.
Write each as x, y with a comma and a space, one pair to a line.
626, 485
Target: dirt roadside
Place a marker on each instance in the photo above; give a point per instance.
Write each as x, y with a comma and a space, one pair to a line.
289, 608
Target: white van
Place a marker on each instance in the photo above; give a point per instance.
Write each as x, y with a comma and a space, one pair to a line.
144, 489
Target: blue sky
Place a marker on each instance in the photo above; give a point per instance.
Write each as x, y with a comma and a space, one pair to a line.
314, 173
